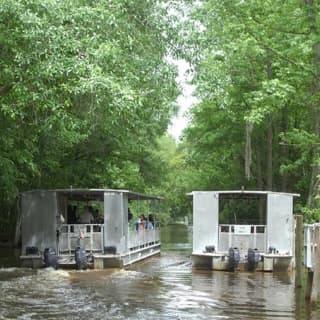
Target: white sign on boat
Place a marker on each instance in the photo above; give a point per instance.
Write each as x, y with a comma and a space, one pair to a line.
242, 229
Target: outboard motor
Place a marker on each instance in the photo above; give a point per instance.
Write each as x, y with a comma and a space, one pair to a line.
81, 259
253, 259
233, 259
210, 249
50, 258
272, 250
32, 251
110, 250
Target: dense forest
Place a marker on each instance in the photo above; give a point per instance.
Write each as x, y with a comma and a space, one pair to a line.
88, 90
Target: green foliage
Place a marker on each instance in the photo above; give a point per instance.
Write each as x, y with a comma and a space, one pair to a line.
242, 211
255, 63
311, 215
175, 180
85, 91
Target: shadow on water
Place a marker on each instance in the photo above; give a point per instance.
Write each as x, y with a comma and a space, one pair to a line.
163, 287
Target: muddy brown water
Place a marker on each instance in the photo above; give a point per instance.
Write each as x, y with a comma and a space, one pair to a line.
163, 287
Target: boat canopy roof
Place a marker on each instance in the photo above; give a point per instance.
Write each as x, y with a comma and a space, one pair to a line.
243, 194
95, 194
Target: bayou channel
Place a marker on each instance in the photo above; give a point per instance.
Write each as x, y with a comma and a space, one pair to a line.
163, 287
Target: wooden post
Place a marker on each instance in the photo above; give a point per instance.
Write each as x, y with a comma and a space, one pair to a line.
316, 266
309, 284
298, 250
298, 303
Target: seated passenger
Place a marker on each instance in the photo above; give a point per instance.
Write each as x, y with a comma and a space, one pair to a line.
130, 221
86, 217
150, 224
143, 222
71, 215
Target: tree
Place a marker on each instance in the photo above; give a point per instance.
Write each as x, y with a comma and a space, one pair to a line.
85, 90
254, 78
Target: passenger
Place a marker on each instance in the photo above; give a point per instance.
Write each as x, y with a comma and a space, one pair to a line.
62, 219
71, 217
143, 222
130, 218
86, 217
150, 224
138, 221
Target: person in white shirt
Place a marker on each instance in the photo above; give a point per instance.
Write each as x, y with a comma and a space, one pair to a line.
86, 217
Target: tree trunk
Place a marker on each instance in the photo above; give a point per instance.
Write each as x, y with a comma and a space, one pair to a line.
259, 168
284, 151
270, 132
261, 204
248, 152
270, 156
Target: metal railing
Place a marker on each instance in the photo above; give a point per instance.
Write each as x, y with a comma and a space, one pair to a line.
91, 237
242, 237
138, 239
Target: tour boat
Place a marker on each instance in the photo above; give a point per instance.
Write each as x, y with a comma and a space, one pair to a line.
52, 234
243, 230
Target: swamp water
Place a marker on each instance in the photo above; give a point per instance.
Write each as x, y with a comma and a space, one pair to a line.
163, 287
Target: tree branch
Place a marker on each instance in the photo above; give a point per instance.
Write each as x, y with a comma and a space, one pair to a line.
281, 30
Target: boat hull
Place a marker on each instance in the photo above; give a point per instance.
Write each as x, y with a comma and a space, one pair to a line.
97, 260
219, 261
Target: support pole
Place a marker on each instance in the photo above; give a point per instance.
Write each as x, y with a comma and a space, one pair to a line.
309, 284
298, 250
316, 267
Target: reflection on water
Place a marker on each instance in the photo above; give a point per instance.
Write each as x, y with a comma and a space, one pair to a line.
177, 237
163, 287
